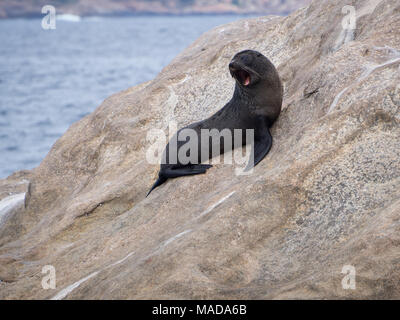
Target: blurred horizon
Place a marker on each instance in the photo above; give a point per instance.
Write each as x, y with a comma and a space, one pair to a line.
32, 8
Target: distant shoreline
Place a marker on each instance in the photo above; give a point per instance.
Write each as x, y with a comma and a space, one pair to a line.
150, 14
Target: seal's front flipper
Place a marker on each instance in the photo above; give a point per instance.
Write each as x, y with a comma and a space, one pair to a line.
262, 145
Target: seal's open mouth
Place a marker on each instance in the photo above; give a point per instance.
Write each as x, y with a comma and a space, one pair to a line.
243, 77
240, 74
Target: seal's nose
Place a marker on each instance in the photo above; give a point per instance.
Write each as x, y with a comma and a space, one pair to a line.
233, 67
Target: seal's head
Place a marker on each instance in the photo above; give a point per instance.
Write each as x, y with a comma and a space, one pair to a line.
249, 67
257, 79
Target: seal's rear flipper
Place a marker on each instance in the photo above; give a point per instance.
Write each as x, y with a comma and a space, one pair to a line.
188, 170
261, 148
159, 182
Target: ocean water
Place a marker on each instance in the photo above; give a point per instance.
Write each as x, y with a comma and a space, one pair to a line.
50, 79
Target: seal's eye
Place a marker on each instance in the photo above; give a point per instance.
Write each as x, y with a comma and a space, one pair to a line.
245, 59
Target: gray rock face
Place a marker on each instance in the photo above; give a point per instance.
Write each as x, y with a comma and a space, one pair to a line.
326, 196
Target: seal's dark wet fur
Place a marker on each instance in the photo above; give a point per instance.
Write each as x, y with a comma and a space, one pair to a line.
256, 104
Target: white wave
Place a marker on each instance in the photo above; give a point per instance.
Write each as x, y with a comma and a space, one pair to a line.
68, 17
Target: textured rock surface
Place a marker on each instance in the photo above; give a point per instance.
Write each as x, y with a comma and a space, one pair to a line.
327, 195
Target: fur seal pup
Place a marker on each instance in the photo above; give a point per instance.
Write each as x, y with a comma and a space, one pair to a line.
256, 104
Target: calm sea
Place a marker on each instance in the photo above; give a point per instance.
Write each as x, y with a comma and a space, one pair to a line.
52, 78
